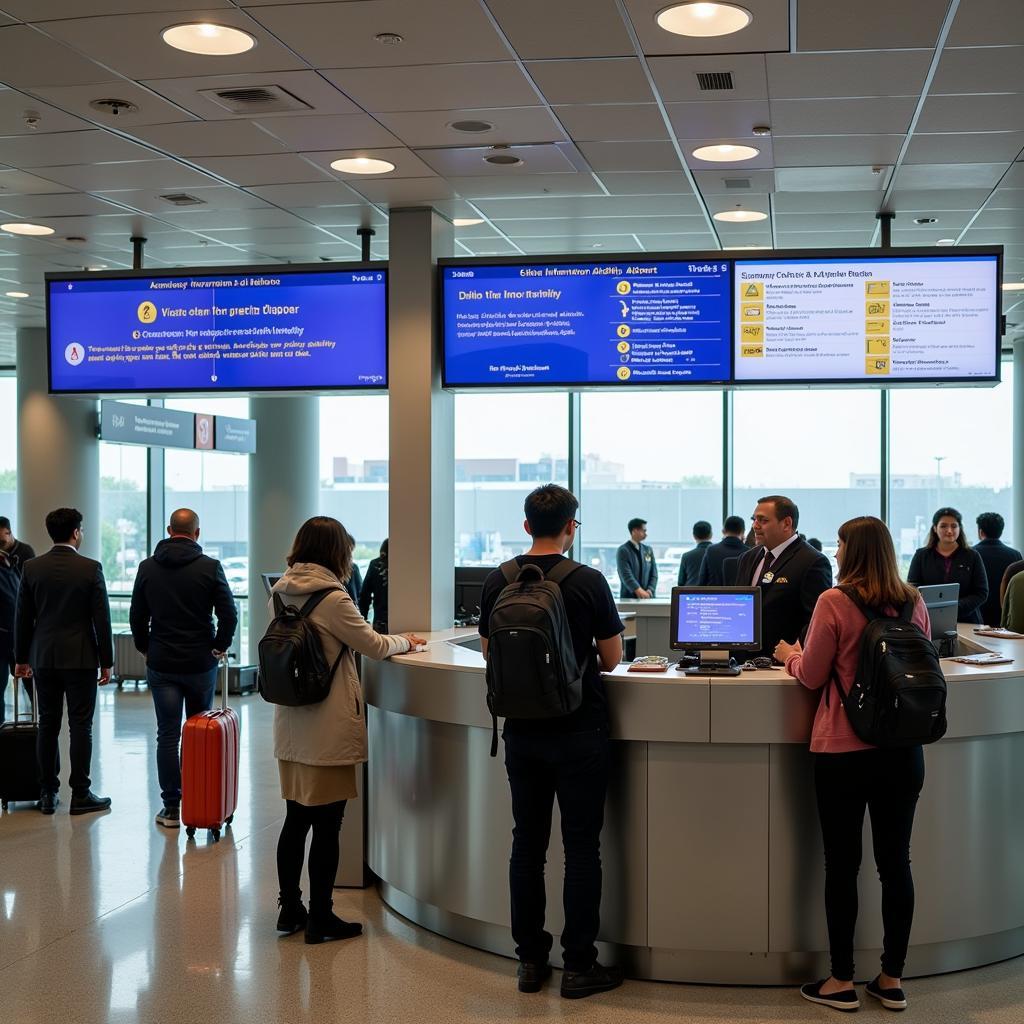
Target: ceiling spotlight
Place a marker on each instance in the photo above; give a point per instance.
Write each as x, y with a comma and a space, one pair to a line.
16, 295
946, 241
389, 38
725, 154
471, 127
26, 229
500, 156
703, 19
741, 216
362, 165
760, 130
467, 222
208, 40
926, 220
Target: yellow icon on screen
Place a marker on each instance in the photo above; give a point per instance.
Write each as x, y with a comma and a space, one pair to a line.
752, 311
875, 365
876, 307
146, 312
878, 346
877, 288
623, 288
623, 347
623, 330
876, 327
752, 351
753, 290
623, 373
752, 332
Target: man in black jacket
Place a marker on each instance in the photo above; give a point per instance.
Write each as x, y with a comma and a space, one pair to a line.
61, 637
17, 550
712, 568
690, 563
176, 593
790, 573
998, 557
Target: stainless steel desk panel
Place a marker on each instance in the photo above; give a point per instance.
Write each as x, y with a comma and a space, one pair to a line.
671, 708
997, 708
761, 707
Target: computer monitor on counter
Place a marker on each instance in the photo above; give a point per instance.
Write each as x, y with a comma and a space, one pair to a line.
714, 621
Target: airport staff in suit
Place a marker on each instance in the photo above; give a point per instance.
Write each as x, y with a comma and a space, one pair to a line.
638, 571
790, 573
690, 563
731, 546
62, 639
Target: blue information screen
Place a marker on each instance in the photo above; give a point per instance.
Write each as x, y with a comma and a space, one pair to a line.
587, 323
716, 618
263, 330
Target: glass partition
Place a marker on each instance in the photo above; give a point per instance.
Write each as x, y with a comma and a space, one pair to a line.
9, 450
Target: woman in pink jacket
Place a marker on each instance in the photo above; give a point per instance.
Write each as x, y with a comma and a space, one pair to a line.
850, 776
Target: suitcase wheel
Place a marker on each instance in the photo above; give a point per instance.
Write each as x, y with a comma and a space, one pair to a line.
3, 805
230, 818
216, 834
190, 832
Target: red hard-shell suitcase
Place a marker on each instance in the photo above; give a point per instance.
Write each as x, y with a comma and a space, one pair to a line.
209, 767
19, 772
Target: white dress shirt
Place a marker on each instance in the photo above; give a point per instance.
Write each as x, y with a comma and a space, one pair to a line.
776, 551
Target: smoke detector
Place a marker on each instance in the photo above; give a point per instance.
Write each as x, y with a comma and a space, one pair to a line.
114, 107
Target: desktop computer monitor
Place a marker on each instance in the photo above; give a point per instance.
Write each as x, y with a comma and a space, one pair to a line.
942, 602
269, 579
714, 621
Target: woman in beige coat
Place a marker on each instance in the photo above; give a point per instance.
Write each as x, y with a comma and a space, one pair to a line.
318, 746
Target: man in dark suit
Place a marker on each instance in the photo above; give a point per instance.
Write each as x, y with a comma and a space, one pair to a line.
998, 557
790, 573
638, 571
712, 568
61, 637
690, 563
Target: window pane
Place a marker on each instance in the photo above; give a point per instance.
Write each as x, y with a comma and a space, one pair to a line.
9, 450
655, 456
820, 448
354, 468
123, 541
951, 447
505, 446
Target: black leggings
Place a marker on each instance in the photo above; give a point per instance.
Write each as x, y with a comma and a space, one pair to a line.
325, 821
887, 783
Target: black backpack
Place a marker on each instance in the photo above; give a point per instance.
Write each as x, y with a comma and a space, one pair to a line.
293, 669
532, 670
898, 696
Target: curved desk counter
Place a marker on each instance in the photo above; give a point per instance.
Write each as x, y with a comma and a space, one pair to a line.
711, 849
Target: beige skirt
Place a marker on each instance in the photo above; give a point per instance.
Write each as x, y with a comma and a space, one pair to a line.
316, 784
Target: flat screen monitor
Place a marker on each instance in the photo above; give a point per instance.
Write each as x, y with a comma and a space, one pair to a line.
469, 588
239, 329
269, 580
613, 323
942, 602
867, 318
715, 619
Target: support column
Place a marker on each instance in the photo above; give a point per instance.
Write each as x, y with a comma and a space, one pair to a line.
421, 587
1016, 530
58, 453
284, 491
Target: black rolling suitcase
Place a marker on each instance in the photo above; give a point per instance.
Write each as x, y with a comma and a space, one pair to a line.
19, 776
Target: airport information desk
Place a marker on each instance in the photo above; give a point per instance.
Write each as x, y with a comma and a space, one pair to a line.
712, 855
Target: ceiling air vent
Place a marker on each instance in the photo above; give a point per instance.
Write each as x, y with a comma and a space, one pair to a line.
182, 199
260, 99
736, 183
710, 81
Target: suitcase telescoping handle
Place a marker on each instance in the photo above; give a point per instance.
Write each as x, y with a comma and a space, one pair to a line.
18, 684
225, 672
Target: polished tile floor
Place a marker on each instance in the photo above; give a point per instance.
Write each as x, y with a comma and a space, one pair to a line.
110, 920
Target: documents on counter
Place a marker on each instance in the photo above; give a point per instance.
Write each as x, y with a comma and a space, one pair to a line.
999, 633
987, 658
649, 663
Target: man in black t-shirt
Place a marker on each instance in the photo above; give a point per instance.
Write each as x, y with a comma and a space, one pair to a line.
564, 758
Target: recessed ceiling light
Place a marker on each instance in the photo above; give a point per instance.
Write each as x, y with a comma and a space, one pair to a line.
1009, 286
703, 19
471, 127
362, 165
389, 38
26, 229
467, 222
726, 154
741, 216
926, 220
16, 295
946, 241
503, 159
207, 39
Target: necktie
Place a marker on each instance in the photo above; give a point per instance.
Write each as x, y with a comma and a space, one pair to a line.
769, 558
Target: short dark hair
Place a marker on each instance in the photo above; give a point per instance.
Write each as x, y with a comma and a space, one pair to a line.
5, 523
702, 530
324, 541
992, 523
635, 524
548, 510
61, 523
815, 543
783, 507
734, 524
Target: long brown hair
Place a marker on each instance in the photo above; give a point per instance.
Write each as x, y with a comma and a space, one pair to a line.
869, 564
324, 541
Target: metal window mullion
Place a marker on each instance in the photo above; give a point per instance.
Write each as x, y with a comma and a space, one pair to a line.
575, 461
727, 454
885, 413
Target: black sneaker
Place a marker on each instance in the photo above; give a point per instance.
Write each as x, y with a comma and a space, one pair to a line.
890, 998
293, 916
90, 803
580, 984
327, 929
838, 1000
532, 976
169, 816
48, 802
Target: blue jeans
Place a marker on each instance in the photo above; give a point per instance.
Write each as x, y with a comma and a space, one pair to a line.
171, 691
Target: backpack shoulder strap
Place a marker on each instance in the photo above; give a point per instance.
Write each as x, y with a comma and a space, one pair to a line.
907, 614
314, 599
279, 605
869, 613
510, 570
562, 571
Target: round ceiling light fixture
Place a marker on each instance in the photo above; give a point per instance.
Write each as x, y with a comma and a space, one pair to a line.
500, 157
208, 40
16, 295
471, 127
26, 229
725, 153
467, 222
926, 220
362, 165
703, 20
741, 216
389, 38
946, 241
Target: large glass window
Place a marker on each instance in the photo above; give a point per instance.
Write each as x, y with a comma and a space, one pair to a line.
951, 447
654, 456
354, 468
123, 538
9, 450
505, 446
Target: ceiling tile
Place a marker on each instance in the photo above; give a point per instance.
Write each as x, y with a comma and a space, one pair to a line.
153, 109
769, 30
29, 59
205, 219
15, 107
20, 183
876, 115
484, 187
465, 162
436, 86
511, 125
274, 237
826, 202
600, 80
999, 219
694, 242
824, 239
726, 118
1014, 176
356, 215
652, 183
209, 138
318, 193
929, 200
840, 25
611, 122
1006, 199
587, 206
403, 191
735, 181
979, 70
62, 205
576, 243
825, 221
836, 150
987, 23
94, 146
216, 197
50, 10
336, 131
275, 169
630, 156
341, 35
826, 75
831, 179
965, 148
950, 176
572, 28
561, 226
165, 175
979, 113
676, 77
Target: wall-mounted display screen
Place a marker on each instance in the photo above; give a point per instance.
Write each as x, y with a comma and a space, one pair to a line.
575, 323
242, 329
867, 319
